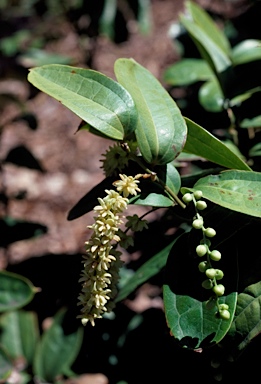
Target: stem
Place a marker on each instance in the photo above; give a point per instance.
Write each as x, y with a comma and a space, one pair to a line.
158, 180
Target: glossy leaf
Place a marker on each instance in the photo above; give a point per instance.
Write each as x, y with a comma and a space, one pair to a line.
246, 51
149, 269
211, 96
202, 18
161, 129
56, 352
94, 97
187, 71
19, 334
218, 60
239, 191
247, 323
15, 291
202, 143
192, 324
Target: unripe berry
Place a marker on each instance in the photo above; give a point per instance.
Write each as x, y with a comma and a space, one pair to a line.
219, 274
197, 194
219, 289
203, 266
224, 314
223, 306
215, 255
210, 232
197, 223
211, 273
207, 284
201, 250
187, 198
200, 205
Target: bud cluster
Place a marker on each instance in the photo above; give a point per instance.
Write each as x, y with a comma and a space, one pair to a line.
213, 275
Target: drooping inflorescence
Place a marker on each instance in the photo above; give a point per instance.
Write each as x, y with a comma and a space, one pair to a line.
213, 275
102, 261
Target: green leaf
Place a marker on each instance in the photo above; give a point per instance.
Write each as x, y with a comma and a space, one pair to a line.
247, 322
218, 60
56, 352
153, 193
149, 269
246, 51
211, 96
202, 19
15, 291
187, 71
255, 122
19, 334
192, 324
6, 366
94, 97
161, 129
202, 143
236, 190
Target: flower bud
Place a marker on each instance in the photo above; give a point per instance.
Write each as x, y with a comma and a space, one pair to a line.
187, 198
215, 255
223, 306
224, 314
211, 273
197, 194
219, 289
203, 266
219, 274
201, 250
201, 205
197, 223
210, 232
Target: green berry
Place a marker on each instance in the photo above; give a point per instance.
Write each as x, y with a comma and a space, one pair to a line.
197, 223
203, 266
215, 255
197, 194
207, 284
201, 205
219, 289
210, 232
201, 250
187, 198
219, 274
223, 306
211, 273
224, 314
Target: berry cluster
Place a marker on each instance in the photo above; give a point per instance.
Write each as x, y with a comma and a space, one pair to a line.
213, 275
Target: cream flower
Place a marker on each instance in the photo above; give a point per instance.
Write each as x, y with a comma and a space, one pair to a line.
127, 185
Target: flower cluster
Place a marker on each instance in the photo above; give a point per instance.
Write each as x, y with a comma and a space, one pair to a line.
101, 262
213, 275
